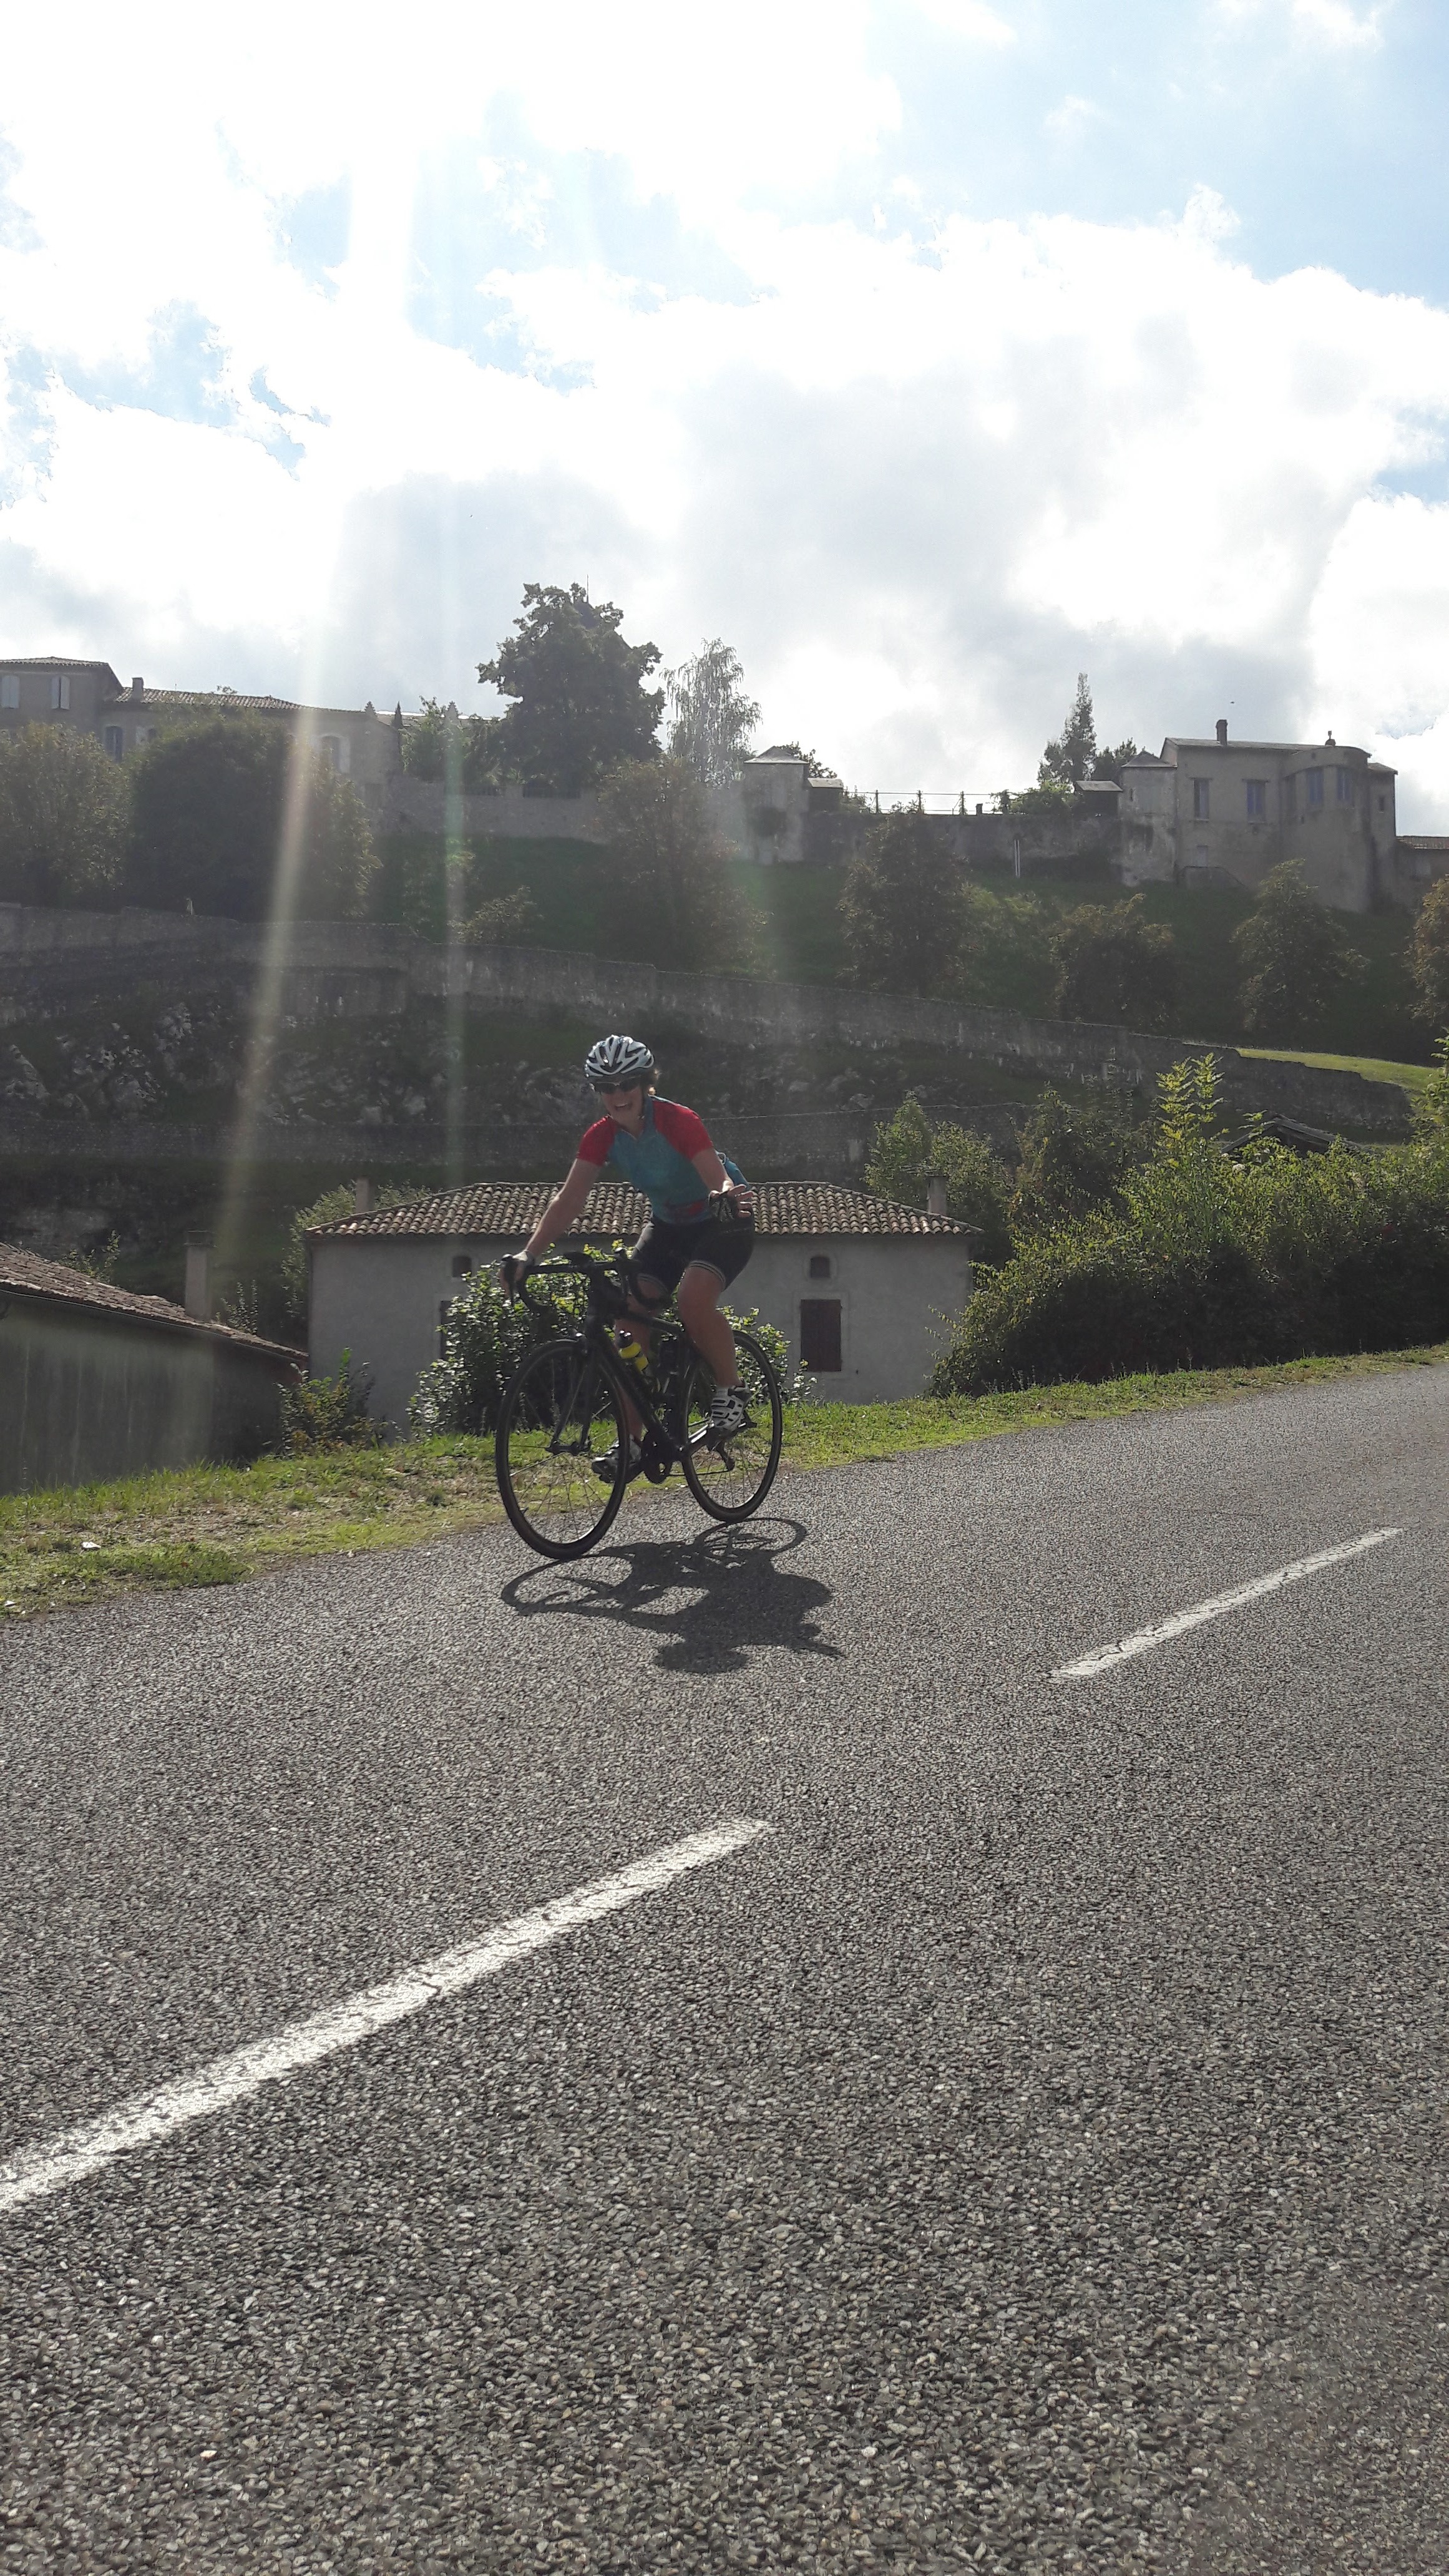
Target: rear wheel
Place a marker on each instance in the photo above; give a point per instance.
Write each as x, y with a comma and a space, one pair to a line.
556, 1425
730, 1475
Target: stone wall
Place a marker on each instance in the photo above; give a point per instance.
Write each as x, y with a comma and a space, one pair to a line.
52, 961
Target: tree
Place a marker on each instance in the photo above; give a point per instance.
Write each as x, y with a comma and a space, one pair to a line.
711, 719
1293, 955
62, 818
469, 752
1108, 764
1068, 760
1429, 956
1113, 964
1073, 1159
237, 818
580, 704
908, 1150
902, 907
668, 889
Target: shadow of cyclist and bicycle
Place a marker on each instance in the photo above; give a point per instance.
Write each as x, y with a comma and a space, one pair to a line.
710, 1603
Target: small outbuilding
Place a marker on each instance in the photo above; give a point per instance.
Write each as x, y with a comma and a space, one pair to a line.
96, 1382
863, 1289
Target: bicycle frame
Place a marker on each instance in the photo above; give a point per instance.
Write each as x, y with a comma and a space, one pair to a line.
596, 1344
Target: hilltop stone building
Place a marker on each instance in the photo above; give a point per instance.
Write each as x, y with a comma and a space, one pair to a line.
1203, 813
46, 689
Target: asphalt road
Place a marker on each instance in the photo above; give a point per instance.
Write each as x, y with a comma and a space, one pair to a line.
1030, 2154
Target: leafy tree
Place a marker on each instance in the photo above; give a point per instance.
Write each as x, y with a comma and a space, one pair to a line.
1293, 955
1113, 964
907, 1150
468, 751
1049, 796
1073, 1159
1068, 760
62, 818
902, 907
1108, 764
1429, 955
667, 883
236, 817
580, 703
711, 719
501, 917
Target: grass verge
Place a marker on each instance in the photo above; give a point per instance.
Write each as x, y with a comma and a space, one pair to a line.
193, 1526
1374, 1068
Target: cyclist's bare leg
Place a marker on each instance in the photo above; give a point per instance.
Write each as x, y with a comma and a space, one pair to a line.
700, 1291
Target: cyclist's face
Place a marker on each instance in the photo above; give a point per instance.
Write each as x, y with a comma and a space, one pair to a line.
625, 1105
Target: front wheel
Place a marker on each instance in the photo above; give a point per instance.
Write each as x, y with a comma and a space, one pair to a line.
557, 1424
730, 1475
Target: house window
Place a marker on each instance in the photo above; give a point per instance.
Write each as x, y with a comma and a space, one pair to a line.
115, 741
60, 693
820, 1335
462, 1266
1199, 800
335, 748
819, 1265
1381, 804
10, 690
1256, 790
143, 734
1344, 779
1315, 786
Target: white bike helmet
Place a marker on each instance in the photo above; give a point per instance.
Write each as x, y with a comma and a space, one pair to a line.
616, 1062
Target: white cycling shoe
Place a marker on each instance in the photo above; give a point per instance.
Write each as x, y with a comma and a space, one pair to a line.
606, 1467
727, 1415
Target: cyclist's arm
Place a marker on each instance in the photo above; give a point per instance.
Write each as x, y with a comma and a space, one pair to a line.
715, 1178
562, 1210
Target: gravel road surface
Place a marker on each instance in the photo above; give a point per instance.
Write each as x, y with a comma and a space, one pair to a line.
1030, 2153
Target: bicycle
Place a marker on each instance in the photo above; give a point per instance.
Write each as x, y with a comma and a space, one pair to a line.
566, 1407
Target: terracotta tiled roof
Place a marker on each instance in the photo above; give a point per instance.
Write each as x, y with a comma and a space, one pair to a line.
227, 702
509, 1210
26, 1272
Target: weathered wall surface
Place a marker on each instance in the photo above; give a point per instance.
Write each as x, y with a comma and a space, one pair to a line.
84, 1397
368, 971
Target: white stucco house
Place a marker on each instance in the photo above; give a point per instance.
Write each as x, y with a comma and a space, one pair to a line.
863, 1289
1222, 812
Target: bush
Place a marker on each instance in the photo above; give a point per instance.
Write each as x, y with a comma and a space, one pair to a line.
668, 889
62, 818
329, 1412
502, 917
1429, 955
1217, 1262
235, 818
1294, 954
908, 1149
1113, 964
1074, 1158
485, 1339
902, 908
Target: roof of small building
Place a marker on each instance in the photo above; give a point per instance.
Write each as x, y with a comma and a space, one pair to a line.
229, 702
27, 1274
52, 662
1424, 840
509, 1209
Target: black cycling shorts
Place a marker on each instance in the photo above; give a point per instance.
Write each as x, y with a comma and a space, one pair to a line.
665, 1252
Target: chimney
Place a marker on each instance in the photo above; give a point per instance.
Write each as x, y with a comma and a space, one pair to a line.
364, 1198
935, 1194
138, 687
1222, 728
197, 1299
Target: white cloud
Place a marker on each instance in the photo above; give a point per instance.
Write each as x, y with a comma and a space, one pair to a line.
1070, 120
1334, 23
970, 19
919, 483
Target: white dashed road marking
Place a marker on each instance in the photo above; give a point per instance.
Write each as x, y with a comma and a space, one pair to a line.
1086, 1666
37, 2171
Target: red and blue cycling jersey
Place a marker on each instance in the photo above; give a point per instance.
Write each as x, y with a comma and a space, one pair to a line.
660, 1159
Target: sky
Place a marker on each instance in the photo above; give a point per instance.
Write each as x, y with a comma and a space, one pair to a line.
928, 353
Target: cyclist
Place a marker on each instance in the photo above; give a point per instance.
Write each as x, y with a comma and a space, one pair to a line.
701, 1225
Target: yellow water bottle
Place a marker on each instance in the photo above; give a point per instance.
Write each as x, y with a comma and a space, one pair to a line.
630, 1347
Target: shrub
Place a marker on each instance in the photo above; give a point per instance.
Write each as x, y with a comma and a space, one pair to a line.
1074, 1158
62, 818
1211, 1262
236, 818
1295, 956
1429, 955
907, 1149
485, 1339
668, 889
902, 908
1113, 964
502, 917
329, 1412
